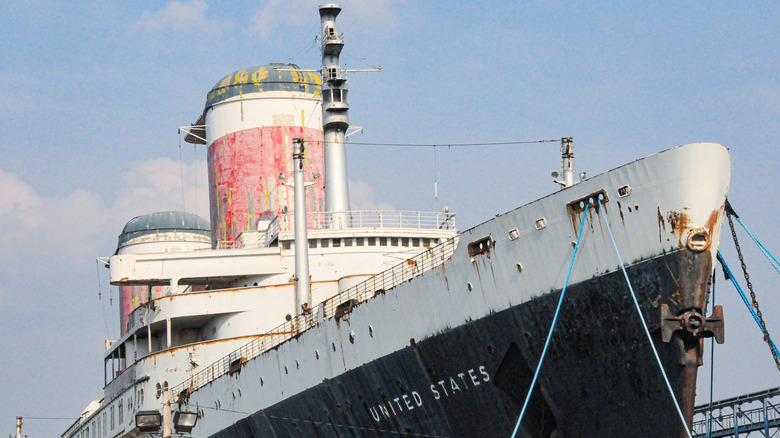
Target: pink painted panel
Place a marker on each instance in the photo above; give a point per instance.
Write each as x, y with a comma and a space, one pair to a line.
244, 184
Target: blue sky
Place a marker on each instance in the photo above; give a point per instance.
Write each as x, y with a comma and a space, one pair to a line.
91, 96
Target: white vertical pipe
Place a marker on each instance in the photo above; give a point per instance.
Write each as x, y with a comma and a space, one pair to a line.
302, 282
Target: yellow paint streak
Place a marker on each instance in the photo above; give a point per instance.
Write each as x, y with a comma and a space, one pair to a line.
259, 75
242, 77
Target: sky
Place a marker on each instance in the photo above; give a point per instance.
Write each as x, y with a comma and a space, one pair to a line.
92, 94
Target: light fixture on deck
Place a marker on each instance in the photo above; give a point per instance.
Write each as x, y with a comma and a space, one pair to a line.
148, 421
184, 421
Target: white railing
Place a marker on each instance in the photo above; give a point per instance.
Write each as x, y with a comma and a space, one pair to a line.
369, 219
332, 307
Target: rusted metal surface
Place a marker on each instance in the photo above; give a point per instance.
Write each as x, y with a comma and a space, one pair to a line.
599, 355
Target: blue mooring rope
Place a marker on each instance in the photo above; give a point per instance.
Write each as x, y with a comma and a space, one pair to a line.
644, 325
745, 300
552, 327
772, 260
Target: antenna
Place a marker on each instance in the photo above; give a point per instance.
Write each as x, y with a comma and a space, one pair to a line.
567, 165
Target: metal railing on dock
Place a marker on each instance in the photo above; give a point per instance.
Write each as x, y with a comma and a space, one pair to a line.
337, 306
756, 414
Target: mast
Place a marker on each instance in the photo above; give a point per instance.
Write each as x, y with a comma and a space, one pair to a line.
302, 281
335, 119
567, 164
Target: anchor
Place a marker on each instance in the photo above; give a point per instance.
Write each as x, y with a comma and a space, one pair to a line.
691, 326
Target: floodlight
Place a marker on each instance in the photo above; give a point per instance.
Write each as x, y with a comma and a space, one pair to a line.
148, 421
184, 421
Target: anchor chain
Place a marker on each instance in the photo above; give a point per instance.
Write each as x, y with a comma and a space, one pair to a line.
767, 338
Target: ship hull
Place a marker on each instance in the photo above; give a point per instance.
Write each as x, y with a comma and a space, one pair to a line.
599, 378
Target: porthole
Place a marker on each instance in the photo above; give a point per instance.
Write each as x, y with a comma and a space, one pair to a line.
158, 390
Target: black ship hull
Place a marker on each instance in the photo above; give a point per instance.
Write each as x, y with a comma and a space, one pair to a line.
600, 377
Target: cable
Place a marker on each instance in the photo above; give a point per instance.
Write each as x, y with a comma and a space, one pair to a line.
498, 143
181, 173
495, 143
552, 326
769, 256
767, 338
712, 366
644, 325
100, 298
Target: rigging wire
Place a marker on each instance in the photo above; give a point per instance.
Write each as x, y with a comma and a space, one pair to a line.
181, 173
363, 61
552, 326
767, 254
752, 309
712, 366
100, 298
435, 179
307, 45
644, 325
195, 171
451, 145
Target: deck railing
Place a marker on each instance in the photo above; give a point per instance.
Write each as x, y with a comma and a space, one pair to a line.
369, 219
337, 306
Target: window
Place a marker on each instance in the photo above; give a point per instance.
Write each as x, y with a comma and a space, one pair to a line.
327, 96
426, 242
313, 243
359, 241
394, 241
416, 241
383, 241
324, 243
105, 424
337, 95
121, 413
405, 241
348, 241
372, 241
286, 244
336, 243
112, 418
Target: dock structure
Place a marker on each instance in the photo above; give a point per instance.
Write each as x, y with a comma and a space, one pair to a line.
749, 415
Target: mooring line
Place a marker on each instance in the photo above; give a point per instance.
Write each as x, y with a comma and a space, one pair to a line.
644, 325
769, 256
552, 327
750, 308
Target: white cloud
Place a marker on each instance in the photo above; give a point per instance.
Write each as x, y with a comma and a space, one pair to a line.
80, 224
362, 197
273, 14
15, 194
180, 16
278, 12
